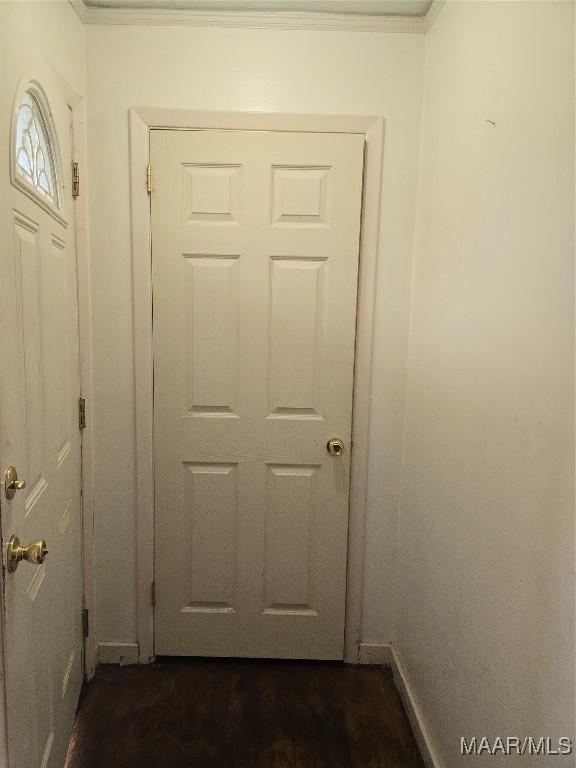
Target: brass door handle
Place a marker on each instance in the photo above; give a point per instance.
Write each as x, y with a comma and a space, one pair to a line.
33, 553
11, 483
335, 446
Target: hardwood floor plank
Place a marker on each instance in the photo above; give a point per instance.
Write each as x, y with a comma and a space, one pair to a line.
242, 714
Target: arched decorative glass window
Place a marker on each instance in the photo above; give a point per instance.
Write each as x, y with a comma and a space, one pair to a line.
34, 147
34, 155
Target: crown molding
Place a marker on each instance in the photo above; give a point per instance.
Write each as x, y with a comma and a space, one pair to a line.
81, 10
432, 15
327, 22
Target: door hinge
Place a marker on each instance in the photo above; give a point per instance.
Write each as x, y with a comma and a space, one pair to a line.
149, 178
81, 413
75, 180
85, 622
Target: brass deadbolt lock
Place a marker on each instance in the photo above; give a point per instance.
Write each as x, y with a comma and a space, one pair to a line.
11, 483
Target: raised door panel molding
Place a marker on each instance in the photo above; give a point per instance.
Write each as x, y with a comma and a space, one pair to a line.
211, 335
296, 312
290, 539
209, 540
211, 194
29, 265
300, 196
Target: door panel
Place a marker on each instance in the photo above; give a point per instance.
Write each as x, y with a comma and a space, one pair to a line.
290, 565
39, 390
255, 240
209, 544
211, 334
296, 336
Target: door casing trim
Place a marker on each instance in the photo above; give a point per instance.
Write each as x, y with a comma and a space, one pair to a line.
77, 104
85, 349
141, 121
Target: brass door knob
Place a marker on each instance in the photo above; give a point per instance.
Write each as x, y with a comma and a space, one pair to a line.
34, 553
11, 483
335, 446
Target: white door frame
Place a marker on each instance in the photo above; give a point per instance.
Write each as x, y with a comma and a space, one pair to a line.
142, 120
83, 277
77, 104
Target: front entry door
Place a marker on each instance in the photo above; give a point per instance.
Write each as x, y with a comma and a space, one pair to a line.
39, 437
255, 243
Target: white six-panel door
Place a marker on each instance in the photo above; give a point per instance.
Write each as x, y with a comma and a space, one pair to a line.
255, 243
39, 389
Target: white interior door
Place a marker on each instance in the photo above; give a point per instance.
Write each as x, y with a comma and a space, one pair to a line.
39, 436
255, 243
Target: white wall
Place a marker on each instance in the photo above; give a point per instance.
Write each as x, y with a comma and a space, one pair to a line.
485, 620
267, 70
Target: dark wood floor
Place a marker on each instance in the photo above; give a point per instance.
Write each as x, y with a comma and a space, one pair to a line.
230, 714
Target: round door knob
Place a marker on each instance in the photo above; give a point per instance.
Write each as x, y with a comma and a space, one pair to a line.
335, 446
33, 553
11, 483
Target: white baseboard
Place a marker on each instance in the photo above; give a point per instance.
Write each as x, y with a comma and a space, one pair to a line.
413, 711
117, 653
374, 652
386, 655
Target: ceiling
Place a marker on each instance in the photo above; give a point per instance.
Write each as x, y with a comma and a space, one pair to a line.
381, 8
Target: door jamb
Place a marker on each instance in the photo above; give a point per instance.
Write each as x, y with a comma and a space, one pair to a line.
77, 103
141, 121
83, 278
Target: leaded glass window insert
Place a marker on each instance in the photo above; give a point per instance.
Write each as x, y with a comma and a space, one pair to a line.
34, 156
